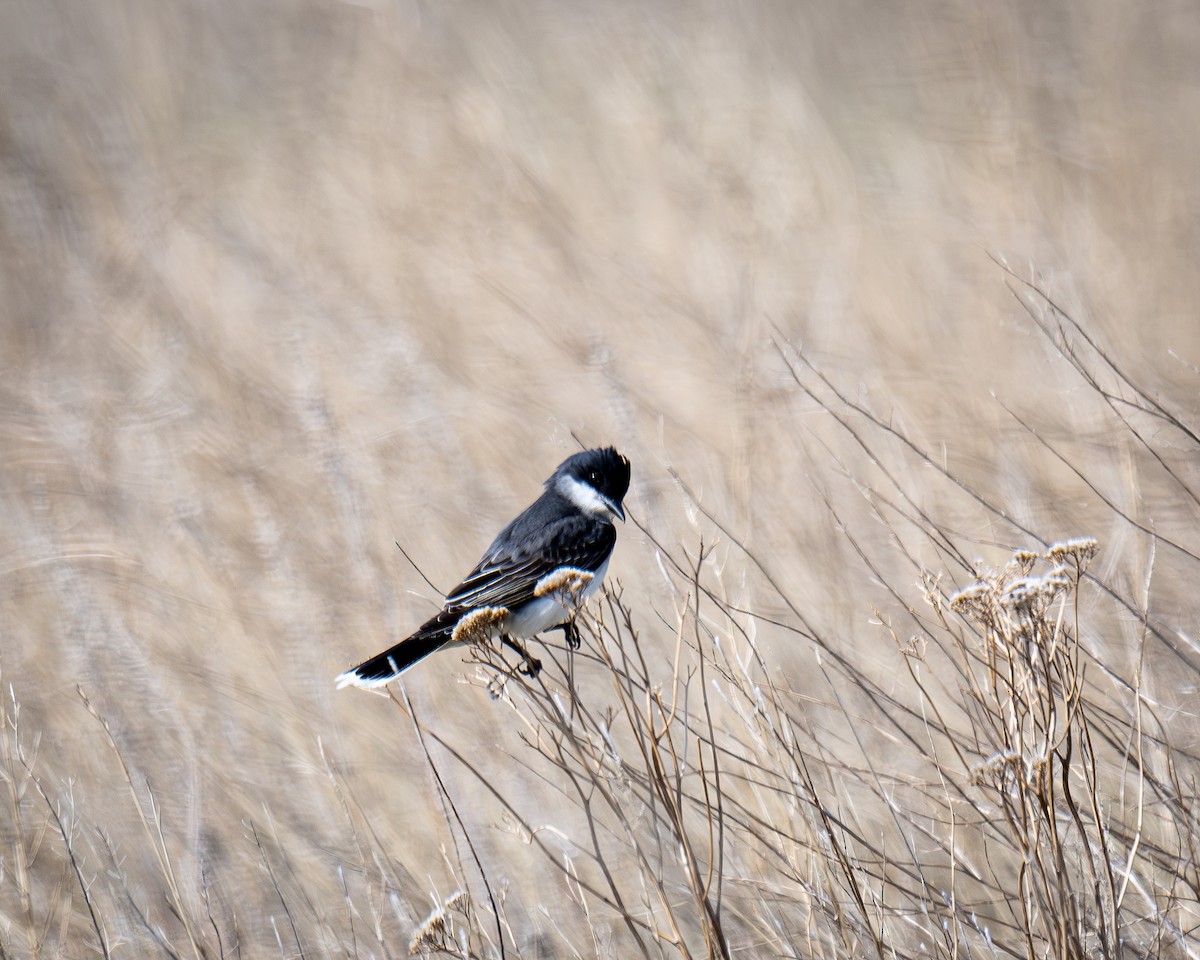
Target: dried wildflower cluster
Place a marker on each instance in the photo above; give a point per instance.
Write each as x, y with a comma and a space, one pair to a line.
480, 625
1015, 590
1030, 653
566, 585
1076, 552
436, 933
1036, 768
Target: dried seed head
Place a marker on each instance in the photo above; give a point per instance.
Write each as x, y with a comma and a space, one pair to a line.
434, 933
995, 769
1026, 594
1077, 552
1024, 560
974, 599
566, 585
1034, 594
1059, 579
430, 935
480, 625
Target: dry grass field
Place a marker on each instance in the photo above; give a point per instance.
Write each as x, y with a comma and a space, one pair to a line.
872, 295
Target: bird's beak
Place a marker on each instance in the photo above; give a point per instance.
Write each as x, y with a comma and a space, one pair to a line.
615, 509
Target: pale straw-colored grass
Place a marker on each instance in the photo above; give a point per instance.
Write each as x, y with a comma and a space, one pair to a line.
285, 283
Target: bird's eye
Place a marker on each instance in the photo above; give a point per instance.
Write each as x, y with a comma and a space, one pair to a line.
592, 476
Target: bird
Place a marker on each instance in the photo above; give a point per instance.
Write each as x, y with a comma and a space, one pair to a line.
535, 575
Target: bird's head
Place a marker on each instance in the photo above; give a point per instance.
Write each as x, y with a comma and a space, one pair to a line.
595, 481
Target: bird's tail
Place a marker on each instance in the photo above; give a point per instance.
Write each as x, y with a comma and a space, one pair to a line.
387, 666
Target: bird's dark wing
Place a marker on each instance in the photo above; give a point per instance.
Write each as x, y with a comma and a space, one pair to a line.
509, 571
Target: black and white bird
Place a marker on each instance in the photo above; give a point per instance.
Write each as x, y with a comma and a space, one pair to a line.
535, 575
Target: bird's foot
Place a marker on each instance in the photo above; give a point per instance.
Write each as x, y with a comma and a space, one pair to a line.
531, 667
571, 632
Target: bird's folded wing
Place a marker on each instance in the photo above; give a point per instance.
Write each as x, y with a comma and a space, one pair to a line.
507, 578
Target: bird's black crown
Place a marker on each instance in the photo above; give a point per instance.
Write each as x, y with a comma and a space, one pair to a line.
603, 469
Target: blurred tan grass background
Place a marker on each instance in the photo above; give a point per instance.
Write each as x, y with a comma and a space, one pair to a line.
285, 282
